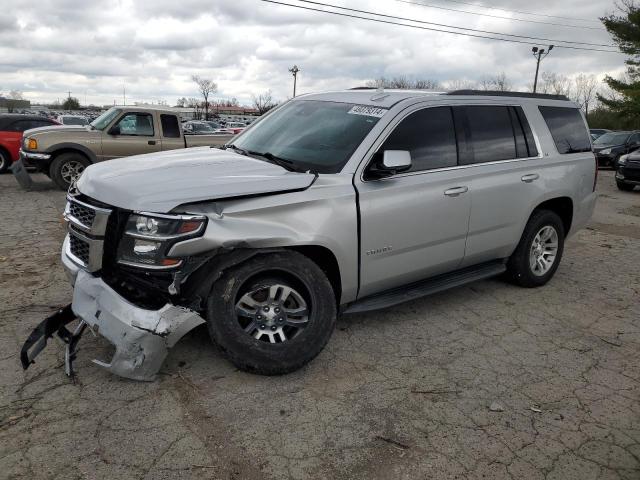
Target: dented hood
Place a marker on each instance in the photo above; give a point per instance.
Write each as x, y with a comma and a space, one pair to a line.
159, 182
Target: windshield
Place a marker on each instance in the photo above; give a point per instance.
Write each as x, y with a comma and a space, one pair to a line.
313, 135
105, 119
612, 139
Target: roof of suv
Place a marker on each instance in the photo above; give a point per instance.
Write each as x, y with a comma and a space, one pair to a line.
386, 98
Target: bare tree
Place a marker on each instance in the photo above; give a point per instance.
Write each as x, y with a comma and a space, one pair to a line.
206, 87
585, 91
182, 102
460, 85
15, 95
555, 84
264, 102
497, 82
195, 104
403, 83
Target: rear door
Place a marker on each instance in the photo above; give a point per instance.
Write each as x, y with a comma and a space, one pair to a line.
414, 224
139, 134
507, 178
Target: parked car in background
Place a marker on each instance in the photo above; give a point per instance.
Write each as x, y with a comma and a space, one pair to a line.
64, 152
597, 132
12, 127
611, 145
235, 127
334, 203
198, 127
628, 171
72, 120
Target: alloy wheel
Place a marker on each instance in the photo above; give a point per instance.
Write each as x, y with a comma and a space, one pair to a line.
544, 250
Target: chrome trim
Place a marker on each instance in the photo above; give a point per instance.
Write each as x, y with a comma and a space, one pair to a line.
34, 156
96, 248
149, 267
101, 216
176, 216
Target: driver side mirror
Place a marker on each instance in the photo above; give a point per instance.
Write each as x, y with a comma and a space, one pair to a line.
115, 130
395, 161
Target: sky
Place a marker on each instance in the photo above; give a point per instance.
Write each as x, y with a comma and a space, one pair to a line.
150, 49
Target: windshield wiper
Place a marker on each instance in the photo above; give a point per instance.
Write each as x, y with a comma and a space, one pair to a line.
282, 162
241, 151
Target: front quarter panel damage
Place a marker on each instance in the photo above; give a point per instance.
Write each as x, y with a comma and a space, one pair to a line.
142, 337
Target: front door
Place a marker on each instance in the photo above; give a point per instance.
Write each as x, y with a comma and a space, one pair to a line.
414, 224
138, 134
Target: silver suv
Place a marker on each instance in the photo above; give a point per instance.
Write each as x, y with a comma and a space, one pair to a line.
332, 203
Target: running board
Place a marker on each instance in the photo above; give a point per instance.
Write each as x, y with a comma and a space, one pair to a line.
426, 287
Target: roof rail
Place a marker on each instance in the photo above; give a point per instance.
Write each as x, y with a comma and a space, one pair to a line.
495, 93
363, 88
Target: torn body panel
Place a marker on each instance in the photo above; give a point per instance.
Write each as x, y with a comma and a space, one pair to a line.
141, 337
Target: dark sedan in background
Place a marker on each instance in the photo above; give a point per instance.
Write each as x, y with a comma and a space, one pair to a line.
610, 146
628, 171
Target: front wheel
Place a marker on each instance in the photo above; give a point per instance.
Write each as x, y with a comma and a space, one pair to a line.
5, 161
67, 168
625, 187
538, 254
272, 314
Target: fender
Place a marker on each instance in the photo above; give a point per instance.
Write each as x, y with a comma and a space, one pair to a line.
73, 146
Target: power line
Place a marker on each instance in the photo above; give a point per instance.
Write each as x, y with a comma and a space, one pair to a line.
405, 19
430, 28
499, 16
490, 7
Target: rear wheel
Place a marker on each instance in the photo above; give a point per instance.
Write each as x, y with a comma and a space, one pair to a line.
625, 187
5, 161
67, 168
272, 314
538, 254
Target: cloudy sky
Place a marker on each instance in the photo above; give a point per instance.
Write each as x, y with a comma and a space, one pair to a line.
153, 47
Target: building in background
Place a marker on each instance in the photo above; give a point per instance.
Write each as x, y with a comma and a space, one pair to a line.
9, 105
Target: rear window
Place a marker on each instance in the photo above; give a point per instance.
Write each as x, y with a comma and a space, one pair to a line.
567, 129
170, 128
491, 133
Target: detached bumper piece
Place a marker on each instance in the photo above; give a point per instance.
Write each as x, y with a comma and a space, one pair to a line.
54, 324
142, 338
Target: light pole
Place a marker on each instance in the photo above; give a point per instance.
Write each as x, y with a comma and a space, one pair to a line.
539, 53
294, 70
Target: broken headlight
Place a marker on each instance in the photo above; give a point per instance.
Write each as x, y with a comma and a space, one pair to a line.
148, 237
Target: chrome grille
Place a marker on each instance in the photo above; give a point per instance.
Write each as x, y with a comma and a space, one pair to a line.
79, 249
87, 226
83, 214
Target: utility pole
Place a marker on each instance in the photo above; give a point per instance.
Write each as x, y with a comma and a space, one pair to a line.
294, 70
539, 54
124, 96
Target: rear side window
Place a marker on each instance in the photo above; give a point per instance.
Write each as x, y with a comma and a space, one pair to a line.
429, 135
170, 128
567, 129
491, 133
521, 127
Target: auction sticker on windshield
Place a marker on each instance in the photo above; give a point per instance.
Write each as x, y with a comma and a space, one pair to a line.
367, 111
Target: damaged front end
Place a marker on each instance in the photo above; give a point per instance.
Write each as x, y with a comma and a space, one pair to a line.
141, 337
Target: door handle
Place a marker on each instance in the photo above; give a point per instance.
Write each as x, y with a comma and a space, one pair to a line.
530, 177
151, 142
454, 192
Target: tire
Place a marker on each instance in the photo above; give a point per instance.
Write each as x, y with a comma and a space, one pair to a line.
519, 266
625, 187
5, 161
67, 167
234, 307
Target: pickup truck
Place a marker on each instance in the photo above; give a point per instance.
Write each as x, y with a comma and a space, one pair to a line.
63, 153
335, 203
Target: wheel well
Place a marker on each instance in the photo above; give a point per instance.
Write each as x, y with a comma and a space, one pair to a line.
57, 153
325, 259
563, 207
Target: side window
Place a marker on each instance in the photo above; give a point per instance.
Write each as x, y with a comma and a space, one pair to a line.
137, 124
430, 137
567, 129
634, 139
40, 123
491, 134
170, 128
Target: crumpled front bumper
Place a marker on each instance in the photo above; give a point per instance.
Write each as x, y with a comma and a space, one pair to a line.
142, 338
